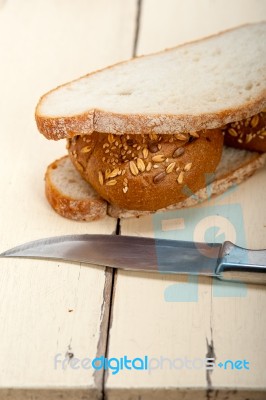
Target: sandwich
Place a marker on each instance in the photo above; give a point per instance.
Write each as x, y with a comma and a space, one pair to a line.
151, 133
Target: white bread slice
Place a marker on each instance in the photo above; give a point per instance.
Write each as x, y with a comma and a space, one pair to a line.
202, 84
71, 196
77, 200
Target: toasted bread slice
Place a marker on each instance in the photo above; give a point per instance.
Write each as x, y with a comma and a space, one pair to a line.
72, 197
69, 195
200, 85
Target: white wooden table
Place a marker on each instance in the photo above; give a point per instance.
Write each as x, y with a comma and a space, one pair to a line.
51, 311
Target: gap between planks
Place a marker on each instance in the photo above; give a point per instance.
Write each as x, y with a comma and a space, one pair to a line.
100, 376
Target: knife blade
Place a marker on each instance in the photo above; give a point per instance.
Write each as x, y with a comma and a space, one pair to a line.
224, 261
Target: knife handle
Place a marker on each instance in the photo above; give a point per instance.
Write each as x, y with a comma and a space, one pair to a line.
243, 265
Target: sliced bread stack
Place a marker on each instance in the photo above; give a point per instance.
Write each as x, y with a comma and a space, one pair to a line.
72, 197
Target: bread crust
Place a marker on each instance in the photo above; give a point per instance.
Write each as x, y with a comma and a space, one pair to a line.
90, 209
146, 172
108, 122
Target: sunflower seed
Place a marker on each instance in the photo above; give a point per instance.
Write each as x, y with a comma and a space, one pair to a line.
114, 173
158, 158
145, 153
125, 189
112, 182
158, 178
153, 147
248, 138
180, 177
187, 167
181, 136
140, 165
194, 134
107, 173
170, 167
178, 152
254, 121
232, 132
133, 168
148, 168
100, 176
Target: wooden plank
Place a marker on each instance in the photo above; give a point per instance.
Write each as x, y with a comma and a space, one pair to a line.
213, 321
172, 22
49, 308
239, 323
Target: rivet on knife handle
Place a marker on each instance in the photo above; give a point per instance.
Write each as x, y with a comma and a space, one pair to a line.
241, 264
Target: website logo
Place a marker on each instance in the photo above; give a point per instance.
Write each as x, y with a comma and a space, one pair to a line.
205, 224
145, 363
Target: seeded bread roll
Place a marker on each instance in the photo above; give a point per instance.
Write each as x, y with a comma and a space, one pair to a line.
146, 172
234, 167
65, 197
249, 134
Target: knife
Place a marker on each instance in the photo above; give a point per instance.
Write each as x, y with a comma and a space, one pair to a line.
224, 261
